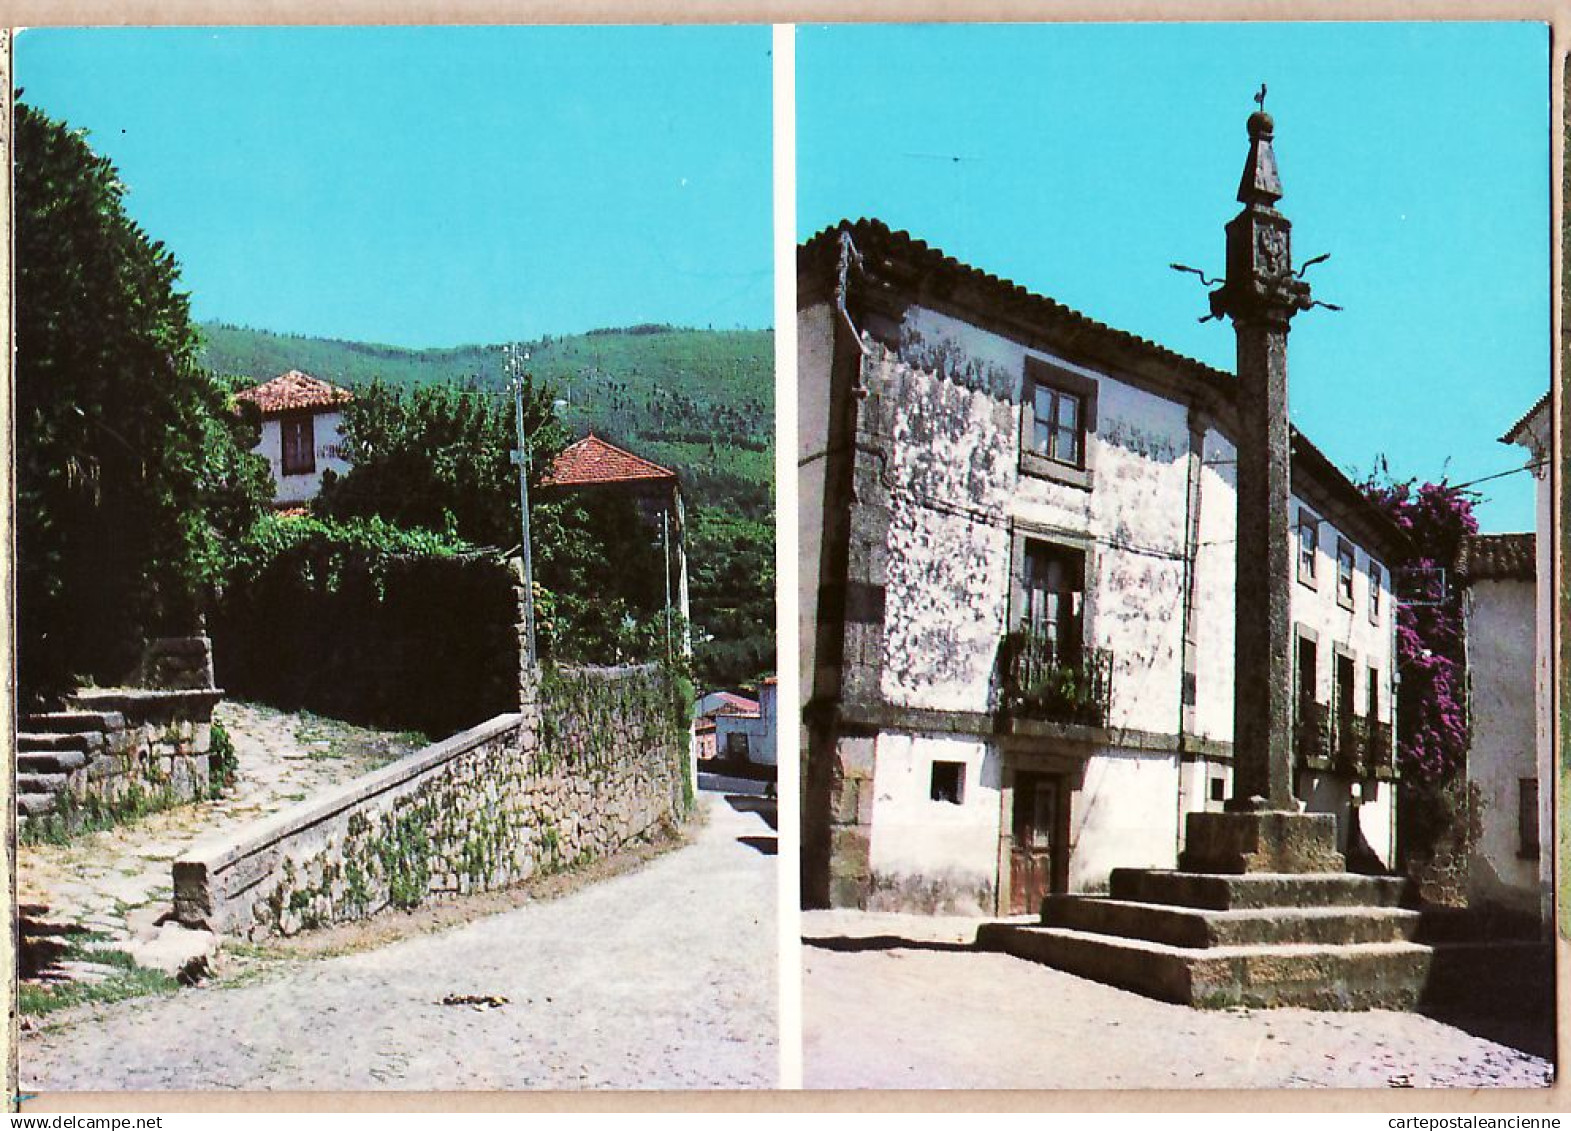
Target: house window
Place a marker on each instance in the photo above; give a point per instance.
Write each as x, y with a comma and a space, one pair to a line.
1305, 662
948, 783
299, 445
1527, 818
1056, 425
1342, 687
1373, 711
736, 746
1058, 417
1218, 789
1308, 546
1345, 563
1053, 604
1376, 580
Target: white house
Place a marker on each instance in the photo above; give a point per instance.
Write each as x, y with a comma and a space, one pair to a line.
302, 419
1534, 432
1016, 584
751, 735
1496, 573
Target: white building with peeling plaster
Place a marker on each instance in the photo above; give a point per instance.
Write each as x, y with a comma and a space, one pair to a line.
1017, 571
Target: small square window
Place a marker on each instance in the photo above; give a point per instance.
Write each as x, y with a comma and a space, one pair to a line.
949, 782
1308, 546
1376, 580
1527, 818
1346, 565
1218, 789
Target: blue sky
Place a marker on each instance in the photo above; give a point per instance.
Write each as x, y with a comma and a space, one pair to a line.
429, 187
1092, 156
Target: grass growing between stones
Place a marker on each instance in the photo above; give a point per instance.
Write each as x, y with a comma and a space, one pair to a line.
326, 739
74, 817
122, 978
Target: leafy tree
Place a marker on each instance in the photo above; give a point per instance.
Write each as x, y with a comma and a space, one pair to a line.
436, 457
732, 560
132, 475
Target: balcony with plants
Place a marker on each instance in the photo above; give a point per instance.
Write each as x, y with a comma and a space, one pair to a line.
1046, 681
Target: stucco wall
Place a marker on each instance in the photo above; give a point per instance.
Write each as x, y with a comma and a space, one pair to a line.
1500, 617
328, 437
958, 496
1125, 815
931, 855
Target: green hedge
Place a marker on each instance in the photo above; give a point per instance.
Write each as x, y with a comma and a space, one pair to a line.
369, 623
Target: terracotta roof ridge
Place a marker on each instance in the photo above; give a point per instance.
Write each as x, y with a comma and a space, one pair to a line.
1516, 429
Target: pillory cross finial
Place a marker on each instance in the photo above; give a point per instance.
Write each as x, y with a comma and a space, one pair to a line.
1260, 99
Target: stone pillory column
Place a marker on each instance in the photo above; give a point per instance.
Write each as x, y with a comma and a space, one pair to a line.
1262, 829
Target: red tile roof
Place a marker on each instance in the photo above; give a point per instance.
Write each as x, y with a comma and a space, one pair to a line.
735, 704
293, 392
1496, 557
592, 460
1516, 429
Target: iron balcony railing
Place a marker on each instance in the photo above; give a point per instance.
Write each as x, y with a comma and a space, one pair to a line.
1349, 744
1312, 732
1043, 680
1380, 758
1350, 750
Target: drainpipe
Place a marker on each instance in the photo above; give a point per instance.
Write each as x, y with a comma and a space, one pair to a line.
1186, 601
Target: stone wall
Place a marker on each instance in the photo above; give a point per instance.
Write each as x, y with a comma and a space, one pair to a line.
594, 761
116, 750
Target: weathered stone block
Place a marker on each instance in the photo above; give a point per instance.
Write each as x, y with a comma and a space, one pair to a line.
1267, 841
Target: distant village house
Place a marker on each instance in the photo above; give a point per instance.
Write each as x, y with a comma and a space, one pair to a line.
302, 420
750, 736
595, 465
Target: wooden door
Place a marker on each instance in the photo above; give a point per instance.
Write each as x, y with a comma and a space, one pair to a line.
1038, 856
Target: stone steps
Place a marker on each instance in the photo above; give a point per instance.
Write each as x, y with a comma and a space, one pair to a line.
1254, 890
49, 761
1204, 927
75, 721
55, 745
41, 783
1351, 976
60, 740
34, 804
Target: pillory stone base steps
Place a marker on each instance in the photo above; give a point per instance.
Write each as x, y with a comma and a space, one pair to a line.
1243, 936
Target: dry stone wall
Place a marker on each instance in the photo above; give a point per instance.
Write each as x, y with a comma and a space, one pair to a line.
594, 762
115, 750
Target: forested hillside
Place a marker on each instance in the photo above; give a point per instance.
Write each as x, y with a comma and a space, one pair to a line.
698, 401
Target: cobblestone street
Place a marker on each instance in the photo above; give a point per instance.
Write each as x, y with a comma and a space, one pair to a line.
897, 1001
115, 883
662, 977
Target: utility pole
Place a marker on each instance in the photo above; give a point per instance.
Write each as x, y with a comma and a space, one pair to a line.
516, 357
665, 542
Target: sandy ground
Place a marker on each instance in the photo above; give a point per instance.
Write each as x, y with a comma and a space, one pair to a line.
664, 977
896, 1001
117, 881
